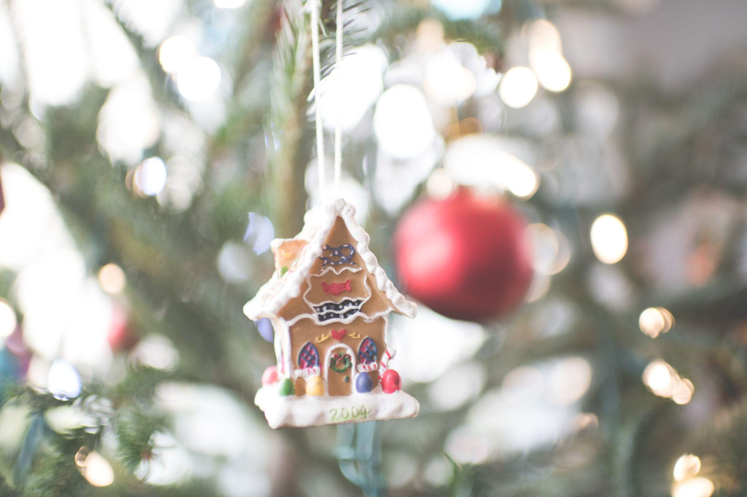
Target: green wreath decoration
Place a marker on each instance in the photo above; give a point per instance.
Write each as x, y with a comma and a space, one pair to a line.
339, 363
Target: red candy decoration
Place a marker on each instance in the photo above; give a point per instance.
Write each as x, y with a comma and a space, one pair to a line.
336, 288
465, 257
390, 381
270, 376
338, 334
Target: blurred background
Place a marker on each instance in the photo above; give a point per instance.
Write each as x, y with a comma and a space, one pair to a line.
588, 156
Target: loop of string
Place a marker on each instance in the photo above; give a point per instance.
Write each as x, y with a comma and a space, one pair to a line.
321, 166
338, 126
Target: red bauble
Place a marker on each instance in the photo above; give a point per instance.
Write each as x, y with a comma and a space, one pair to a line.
390, 381
270, 376
466, 257
120, 335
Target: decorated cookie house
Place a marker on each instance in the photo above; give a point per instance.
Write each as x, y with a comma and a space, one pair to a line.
329, 303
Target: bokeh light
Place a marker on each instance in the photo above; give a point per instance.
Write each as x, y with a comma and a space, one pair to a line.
684, 392
402, 122
687, 466
609, 239
111, 278
352, 87
175, 53
552, 70
693, 487
570, 379
63, 381
7, 319
542, 33
95, 469
521, 180
550, 249
655, 321
259, 233
660, 378
664, 381
447, 81
150, 177
198, 79
439, 184
518, 87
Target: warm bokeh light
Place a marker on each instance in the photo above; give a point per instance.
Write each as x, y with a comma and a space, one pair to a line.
661, 378
687, 466
655, 321
664, 381
684, 392
150, 177
175, 52
402, 122
609, 239
553, 71
111, 278
518, 87
198, 79
520, 179
693, 487
447, 81
96, 469
7, 319
541, 33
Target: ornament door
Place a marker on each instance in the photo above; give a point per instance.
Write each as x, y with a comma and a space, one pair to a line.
340, 369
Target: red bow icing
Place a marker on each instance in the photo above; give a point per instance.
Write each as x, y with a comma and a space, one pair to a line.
336, 288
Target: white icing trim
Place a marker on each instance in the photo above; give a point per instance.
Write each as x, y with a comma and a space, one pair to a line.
287, 346
347, 320
367, 368
331, 269
329, 354
366, 299
305, 373
317, 411
318, 222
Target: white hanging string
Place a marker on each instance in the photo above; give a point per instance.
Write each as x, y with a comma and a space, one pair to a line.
338, 126
321, 167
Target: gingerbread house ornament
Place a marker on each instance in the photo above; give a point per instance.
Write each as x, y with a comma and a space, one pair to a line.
329, 303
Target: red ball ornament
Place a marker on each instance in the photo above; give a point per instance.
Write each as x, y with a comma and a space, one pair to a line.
466, 257
390, 381
120, 337
270, 376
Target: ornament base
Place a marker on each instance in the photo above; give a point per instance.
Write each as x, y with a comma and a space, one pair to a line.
291, 411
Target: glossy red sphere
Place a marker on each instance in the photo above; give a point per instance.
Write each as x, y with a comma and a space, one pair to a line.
270, 376
466, 257
390, 381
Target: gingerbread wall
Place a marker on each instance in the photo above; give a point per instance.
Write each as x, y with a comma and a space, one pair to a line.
362, 282
325, 339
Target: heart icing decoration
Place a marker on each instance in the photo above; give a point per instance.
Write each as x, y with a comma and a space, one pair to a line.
338, 334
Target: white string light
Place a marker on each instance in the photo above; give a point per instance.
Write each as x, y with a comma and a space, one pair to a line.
338, 126
314, 4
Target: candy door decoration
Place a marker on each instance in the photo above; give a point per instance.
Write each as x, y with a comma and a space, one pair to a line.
339, 373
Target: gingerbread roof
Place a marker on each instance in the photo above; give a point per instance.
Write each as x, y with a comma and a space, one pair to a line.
317, 224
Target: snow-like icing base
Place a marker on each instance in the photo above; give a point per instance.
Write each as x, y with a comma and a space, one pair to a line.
303, 411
